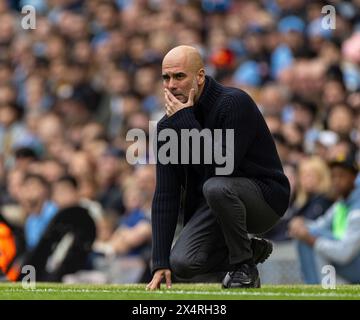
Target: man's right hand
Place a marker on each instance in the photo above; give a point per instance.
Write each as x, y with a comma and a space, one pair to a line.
158, 277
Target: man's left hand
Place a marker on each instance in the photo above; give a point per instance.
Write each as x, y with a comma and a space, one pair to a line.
173, 105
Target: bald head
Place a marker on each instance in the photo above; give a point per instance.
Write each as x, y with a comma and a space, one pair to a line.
183, 69
186, 56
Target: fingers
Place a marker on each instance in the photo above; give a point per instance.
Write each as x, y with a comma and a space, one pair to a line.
190, 101
157, 278
295, 222
168, 279
294, 233
172, 104
155, 282
297, 231
167, 109
168, 102
170, 96
292, 230
168, 105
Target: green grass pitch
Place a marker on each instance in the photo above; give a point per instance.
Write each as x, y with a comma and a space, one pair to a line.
51, 291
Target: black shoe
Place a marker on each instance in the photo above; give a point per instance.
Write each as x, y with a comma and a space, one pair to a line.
245, 276
261, 249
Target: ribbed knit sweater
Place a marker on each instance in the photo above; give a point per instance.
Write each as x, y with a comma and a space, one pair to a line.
255, 157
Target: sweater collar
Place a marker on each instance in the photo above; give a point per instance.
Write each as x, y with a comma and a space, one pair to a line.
212, 90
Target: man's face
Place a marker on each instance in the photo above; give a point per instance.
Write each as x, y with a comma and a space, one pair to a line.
179, 79
342, 180
34, 193
65, 195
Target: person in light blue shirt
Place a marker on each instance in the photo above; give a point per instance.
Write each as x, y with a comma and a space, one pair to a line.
284, 54
40, 210
334, 238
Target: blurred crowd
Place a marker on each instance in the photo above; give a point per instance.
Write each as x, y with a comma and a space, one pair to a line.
90, 71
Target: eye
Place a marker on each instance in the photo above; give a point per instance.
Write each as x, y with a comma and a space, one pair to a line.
179, 76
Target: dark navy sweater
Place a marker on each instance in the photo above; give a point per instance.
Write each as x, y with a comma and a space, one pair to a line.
255, 157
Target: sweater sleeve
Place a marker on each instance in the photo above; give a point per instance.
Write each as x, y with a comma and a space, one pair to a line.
322, 222
165, 209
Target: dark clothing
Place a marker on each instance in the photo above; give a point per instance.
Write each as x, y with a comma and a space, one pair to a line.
315, 206
216, 236
111, 199
130, 220
72, 226
254, 152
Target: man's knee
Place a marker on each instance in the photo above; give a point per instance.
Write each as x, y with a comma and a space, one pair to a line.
216, 189
181, 266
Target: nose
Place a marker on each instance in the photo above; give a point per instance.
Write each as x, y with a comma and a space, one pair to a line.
172, 84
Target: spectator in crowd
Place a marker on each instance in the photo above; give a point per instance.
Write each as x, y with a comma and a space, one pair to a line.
52, 170
313, 196
12, 186
340, 120
36, 203
65, 192
333, 238
24, 156
12, 130
108, 170
145, 181
65, 244
134, 230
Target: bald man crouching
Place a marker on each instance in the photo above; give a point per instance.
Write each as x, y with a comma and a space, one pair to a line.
220, 211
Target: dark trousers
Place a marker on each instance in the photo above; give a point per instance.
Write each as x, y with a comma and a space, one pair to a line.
216, 237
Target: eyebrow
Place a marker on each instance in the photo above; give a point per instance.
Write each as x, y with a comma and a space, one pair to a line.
176, 74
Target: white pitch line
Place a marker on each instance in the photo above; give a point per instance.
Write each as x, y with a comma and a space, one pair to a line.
181, 292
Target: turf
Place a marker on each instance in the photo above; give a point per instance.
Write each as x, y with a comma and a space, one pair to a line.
47, 291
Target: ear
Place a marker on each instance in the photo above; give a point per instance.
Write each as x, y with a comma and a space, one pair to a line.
201, 77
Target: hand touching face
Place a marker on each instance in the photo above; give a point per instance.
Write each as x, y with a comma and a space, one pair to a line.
172, 104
